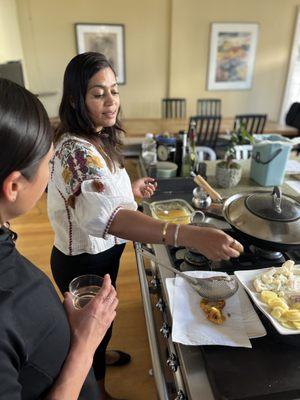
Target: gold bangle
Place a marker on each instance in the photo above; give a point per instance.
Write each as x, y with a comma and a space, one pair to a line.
164, 232
176, 235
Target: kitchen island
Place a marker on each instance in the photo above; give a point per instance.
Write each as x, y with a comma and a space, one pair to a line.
211, 372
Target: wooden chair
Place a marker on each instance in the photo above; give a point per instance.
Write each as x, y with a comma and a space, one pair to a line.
207, 129
254, 123
173, 108
207, 107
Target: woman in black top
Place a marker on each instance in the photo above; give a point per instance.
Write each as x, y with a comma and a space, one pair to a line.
45, 352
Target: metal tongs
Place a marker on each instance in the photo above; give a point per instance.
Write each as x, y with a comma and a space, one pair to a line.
219, 287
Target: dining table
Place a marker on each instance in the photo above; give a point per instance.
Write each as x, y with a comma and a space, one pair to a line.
138, 127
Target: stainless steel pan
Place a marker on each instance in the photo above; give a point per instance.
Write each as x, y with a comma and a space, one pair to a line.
268, 219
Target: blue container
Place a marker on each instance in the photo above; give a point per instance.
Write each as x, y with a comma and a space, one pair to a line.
269, 156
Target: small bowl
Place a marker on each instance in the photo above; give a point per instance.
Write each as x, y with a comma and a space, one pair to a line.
166, 169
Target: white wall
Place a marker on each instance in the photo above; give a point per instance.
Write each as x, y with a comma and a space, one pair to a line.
167, 47
10, 41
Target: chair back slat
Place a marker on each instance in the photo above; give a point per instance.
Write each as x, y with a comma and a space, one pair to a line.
207, 107
254, 123
173, 108
207, 129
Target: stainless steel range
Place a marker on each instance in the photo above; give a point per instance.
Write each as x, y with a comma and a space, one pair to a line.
215, 372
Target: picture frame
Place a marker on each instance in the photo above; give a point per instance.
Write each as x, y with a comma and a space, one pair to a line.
108, 39
232, 55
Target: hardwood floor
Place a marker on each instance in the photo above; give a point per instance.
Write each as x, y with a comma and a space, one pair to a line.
35, 239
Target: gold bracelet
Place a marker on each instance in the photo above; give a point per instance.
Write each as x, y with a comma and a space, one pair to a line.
176, 235
164, 232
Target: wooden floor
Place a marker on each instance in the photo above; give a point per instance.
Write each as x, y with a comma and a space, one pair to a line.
133, 381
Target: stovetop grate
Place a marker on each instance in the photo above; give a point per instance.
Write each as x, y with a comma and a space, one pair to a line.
247, 260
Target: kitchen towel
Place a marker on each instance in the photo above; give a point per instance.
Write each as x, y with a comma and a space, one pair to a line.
191, 327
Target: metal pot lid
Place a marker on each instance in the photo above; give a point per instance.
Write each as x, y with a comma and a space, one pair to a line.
280, 231
273, 206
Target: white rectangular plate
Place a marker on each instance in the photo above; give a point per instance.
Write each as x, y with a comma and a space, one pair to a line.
246, 278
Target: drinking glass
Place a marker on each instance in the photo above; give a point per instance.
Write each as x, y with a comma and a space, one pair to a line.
84, 288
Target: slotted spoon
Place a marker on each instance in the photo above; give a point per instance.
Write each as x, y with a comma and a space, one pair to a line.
218, 287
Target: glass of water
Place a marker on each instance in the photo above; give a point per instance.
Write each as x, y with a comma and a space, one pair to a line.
84, 288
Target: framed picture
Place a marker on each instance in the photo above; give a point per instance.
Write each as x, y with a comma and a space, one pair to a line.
232, 56
108, 39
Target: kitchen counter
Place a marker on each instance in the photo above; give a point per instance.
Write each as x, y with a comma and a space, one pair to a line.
245, 185
179, 370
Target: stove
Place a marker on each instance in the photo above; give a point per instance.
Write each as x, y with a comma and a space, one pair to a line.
268, 371
273, 349
252, 258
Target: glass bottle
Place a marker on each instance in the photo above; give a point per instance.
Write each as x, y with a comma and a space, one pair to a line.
192, 145
186, 158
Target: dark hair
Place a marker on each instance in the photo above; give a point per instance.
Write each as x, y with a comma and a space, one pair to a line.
25, 132
73, 114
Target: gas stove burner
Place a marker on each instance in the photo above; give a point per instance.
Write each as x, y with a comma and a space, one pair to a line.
185, 266
196, 259
268, 254
179, 255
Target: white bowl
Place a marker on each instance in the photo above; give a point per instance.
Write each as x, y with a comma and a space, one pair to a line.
166, 169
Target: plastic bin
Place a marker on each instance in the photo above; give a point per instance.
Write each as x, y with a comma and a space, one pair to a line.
269, 156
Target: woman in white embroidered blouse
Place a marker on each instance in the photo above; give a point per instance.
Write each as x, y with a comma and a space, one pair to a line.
90, 199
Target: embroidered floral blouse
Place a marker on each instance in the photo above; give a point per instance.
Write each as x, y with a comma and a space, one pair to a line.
84, 197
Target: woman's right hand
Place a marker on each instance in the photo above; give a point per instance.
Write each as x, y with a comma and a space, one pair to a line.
212, 243
90, 323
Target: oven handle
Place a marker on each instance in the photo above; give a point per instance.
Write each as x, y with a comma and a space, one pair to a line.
157, 369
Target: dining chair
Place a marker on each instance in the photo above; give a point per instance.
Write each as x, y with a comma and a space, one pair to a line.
207, 129
206, 107
254, 123
173, 108
205, 153
243, 151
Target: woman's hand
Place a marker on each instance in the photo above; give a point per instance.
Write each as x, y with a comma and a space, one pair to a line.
88, 326
90, 323
212, 243
144, 187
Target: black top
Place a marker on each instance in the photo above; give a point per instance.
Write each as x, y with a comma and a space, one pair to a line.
34, 330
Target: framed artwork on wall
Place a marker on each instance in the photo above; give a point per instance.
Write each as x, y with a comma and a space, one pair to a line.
108, 39
232, 56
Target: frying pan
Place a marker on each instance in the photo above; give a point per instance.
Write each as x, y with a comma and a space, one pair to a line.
266, 219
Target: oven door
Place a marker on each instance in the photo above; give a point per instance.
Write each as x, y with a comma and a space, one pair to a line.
179, 370
165, 361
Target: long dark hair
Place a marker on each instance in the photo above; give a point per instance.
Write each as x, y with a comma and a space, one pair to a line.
73, 114
25, 132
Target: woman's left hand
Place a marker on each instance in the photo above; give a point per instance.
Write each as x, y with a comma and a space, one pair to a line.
144, 187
